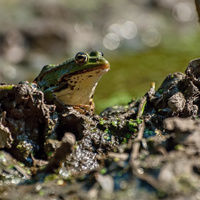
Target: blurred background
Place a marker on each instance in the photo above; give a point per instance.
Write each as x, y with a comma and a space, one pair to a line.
144, 40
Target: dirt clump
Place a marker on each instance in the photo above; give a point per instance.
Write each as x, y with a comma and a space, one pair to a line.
148, 148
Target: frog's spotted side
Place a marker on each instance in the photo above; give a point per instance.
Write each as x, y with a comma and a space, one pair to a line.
74, 81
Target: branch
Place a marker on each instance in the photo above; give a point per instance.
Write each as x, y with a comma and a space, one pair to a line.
197, 2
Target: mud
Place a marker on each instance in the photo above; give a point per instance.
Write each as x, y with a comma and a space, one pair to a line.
147, 149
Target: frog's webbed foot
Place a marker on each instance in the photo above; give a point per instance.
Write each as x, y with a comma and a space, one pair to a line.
84, 109
81, 108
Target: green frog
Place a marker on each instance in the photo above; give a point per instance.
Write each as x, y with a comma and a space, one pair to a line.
74, 81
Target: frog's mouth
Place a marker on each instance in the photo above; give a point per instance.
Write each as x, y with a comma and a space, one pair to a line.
102, 69
105, 67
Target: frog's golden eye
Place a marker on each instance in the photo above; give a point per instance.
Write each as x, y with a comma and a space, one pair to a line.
81, 58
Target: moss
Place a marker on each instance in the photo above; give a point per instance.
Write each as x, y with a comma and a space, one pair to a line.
6, 87
103, 170
114, 123
160, 90
101, 121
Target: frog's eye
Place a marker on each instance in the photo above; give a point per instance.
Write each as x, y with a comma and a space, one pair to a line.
81, 58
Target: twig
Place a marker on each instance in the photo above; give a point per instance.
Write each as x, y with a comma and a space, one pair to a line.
61, 153
134, 155
149, 179
197, 2
136, 143
121, 156
141, 107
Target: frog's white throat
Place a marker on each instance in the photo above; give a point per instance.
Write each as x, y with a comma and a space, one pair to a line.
79, 89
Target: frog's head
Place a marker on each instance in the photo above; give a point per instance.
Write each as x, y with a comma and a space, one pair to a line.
79, 83
84, 61
74, 81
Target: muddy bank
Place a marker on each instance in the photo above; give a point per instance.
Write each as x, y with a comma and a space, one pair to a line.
148, 148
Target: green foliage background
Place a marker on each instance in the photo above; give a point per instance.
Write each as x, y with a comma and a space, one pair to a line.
132, 73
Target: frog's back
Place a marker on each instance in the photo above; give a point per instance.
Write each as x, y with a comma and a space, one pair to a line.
50, 74
44, 70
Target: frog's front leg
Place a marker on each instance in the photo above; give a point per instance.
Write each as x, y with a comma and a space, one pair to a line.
50, 97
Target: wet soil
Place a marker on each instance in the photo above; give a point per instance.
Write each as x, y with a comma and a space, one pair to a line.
147, 149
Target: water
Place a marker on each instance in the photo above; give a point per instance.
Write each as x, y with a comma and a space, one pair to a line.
132, 72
